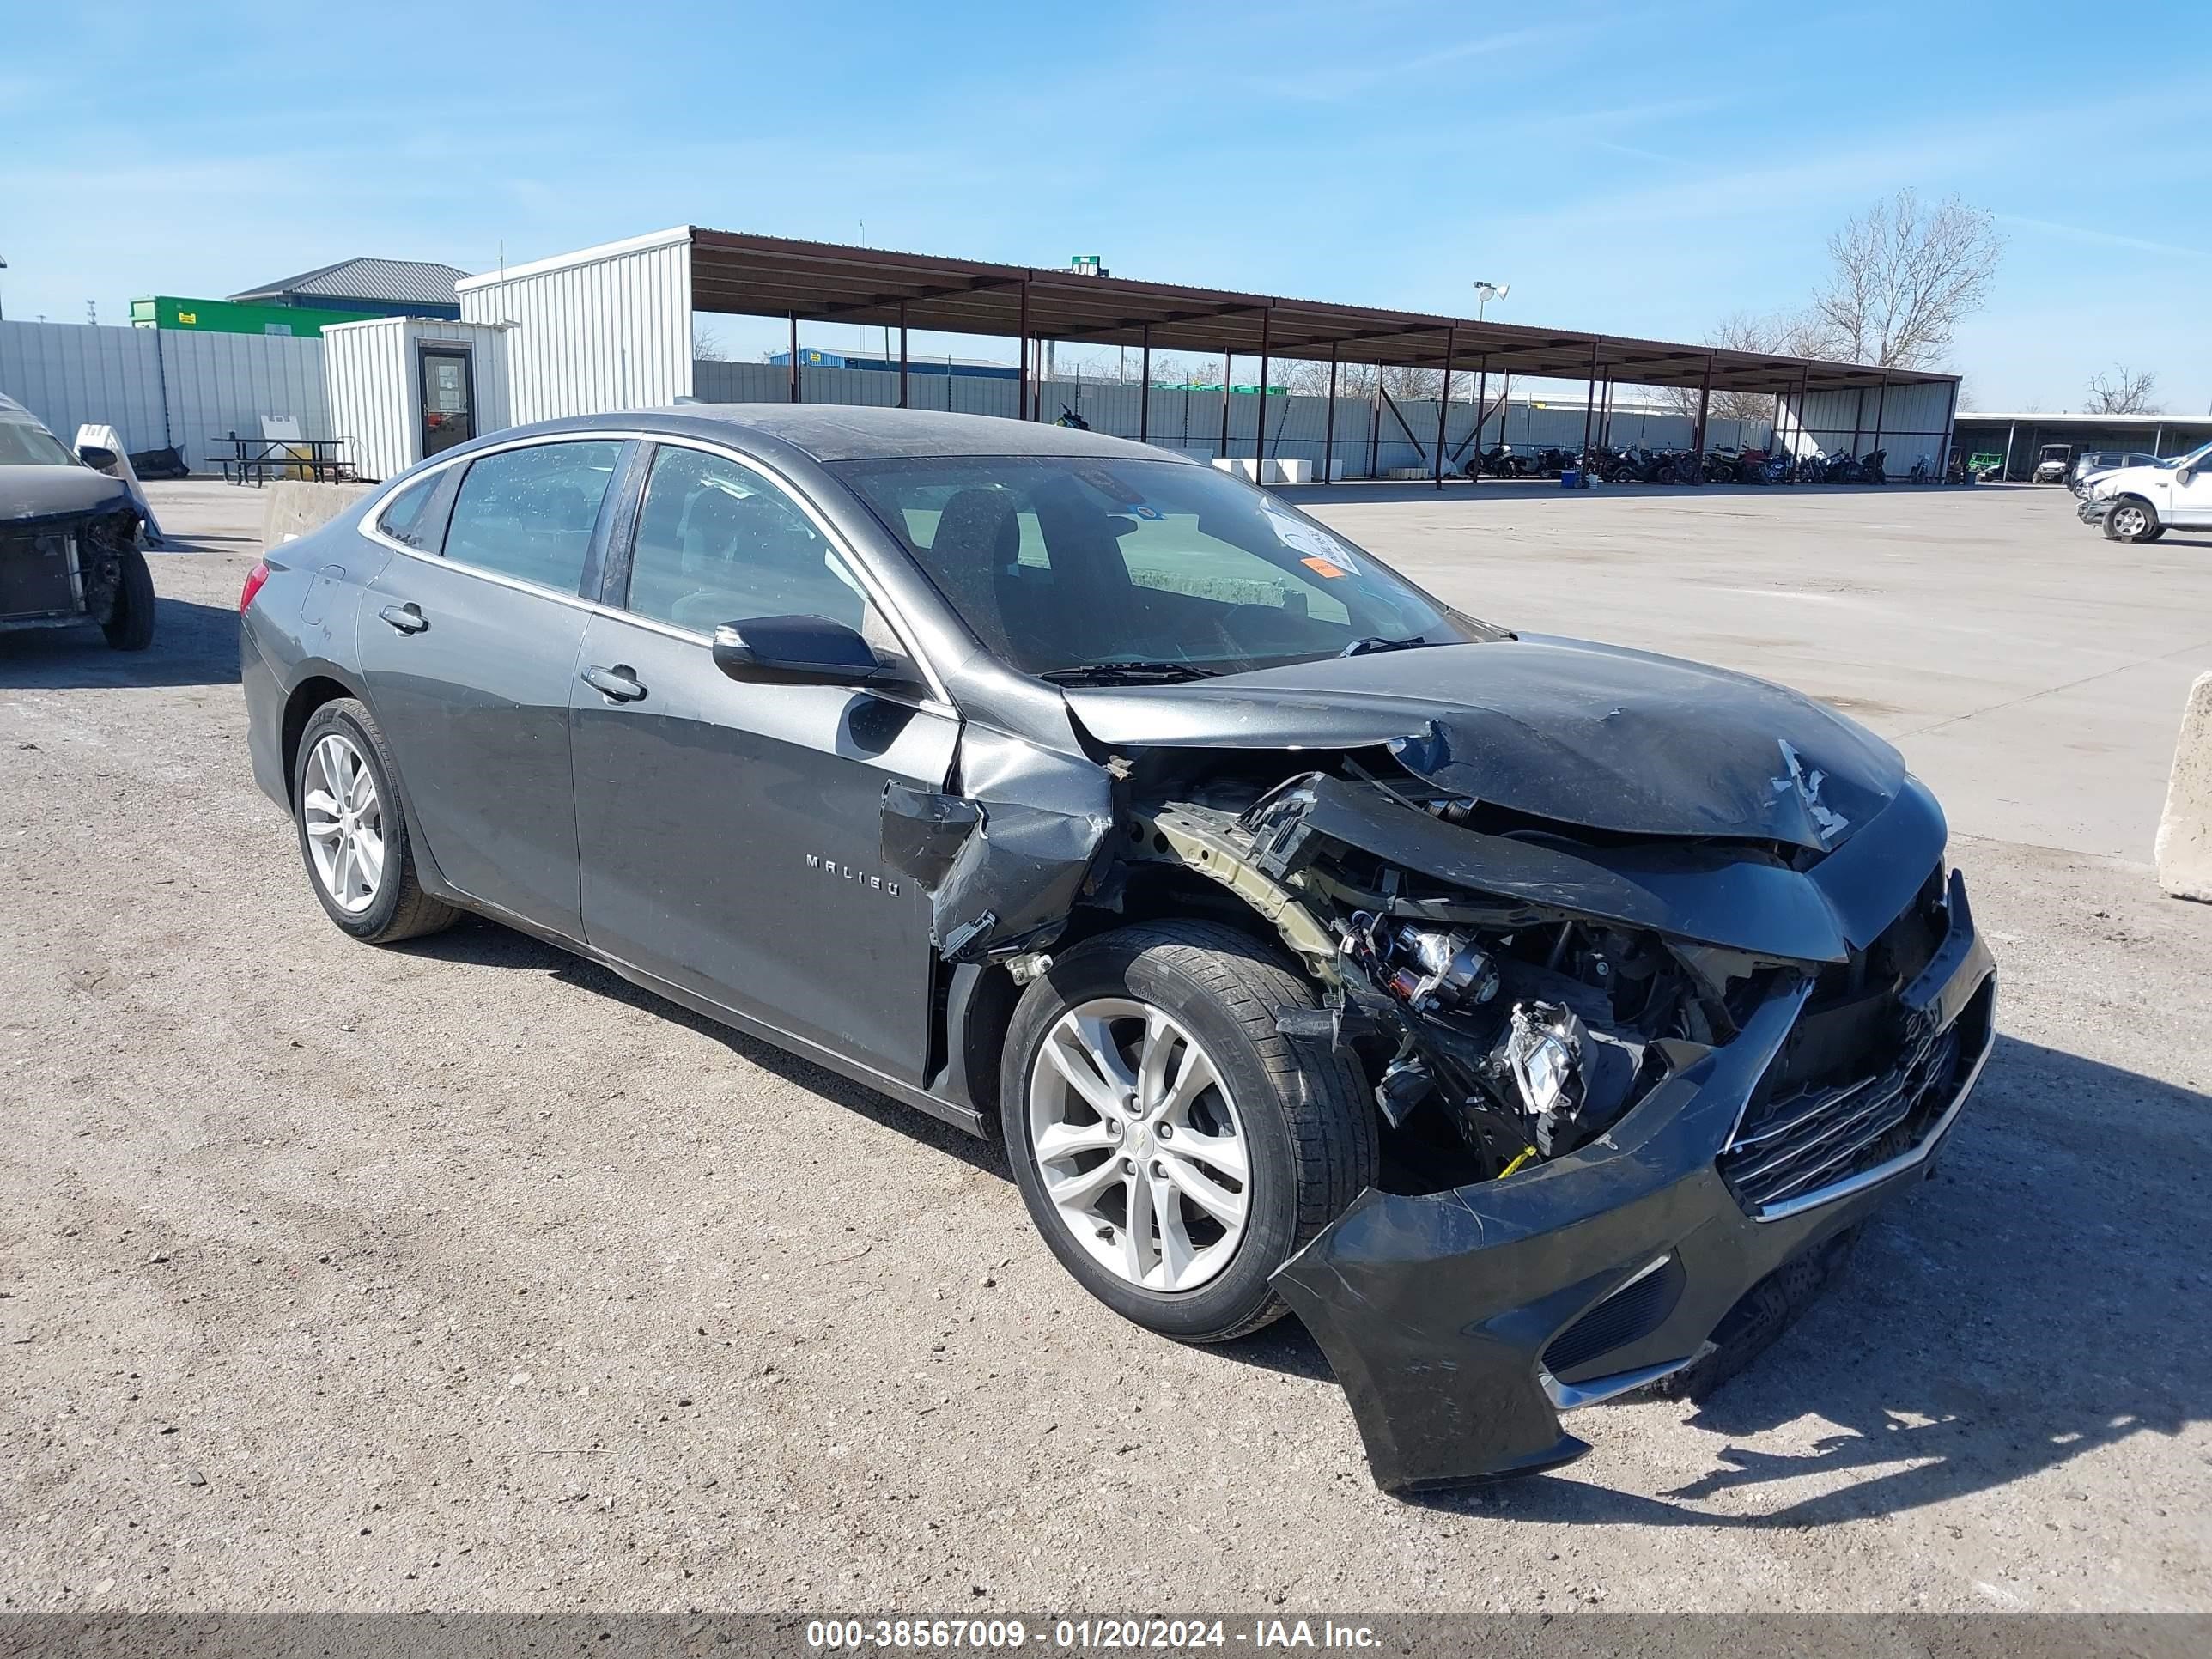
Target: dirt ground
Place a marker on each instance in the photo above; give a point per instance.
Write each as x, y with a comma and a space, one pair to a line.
462, 1275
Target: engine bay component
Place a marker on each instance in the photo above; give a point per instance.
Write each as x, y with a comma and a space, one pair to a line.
1453, 970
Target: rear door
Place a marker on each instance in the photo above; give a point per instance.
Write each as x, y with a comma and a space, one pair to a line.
731, 833
469, 646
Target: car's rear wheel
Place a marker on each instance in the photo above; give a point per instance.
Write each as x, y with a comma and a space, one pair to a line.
353, 836
2132, 520
130, 626
1172, 1145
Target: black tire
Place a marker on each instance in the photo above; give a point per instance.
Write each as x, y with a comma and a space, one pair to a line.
399, 909
2132, 520
130, 627
1308, 1120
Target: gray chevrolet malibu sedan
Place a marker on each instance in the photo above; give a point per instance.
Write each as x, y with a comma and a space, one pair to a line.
1539, 1020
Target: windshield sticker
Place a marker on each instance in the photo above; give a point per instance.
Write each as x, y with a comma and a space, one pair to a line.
1317, 544
1141, 510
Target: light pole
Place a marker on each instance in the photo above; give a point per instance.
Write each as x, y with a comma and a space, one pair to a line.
1486, 292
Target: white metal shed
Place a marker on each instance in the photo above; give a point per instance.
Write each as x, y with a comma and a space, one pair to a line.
400, 388
603, 328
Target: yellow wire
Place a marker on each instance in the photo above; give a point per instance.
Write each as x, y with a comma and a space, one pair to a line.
1527, 1152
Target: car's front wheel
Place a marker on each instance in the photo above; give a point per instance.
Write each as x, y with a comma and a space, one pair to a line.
130, 626
1172, 1146
353, 836
2132, 520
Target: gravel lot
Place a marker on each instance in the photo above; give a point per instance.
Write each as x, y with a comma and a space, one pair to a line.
462, 1275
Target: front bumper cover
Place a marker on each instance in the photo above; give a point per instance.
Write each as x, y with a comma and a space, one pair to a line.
1436, 1311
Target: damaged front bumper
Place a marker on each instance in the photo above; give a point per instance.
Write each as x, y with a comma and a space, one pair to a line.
1462, 1324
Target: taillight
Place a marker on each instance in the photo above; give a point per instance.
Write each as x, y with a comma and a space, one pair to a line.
254, 578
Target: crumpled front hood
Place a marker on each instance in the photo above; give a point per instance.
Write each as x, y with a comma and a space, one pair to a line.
1563, 729
55, 492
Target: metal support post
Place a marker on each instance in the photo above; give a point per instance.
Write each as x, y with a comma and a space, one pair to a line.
1145, 391
902, 354
1227, 358
793, 376
1328, 429
1704, 411
1260, 430
1443, 402
1589, 409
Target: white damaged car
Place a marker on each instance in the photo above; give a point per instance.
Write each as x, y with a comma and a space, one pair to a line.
2142, 503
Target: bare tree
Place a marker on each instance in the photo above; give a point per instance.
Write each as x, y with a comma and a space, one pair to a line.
1355, 380
2121, 390
1903, 276
707, 344
1770, 334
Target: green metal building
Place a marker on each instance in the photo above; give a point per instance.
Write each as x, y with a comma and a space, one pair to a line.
228, 317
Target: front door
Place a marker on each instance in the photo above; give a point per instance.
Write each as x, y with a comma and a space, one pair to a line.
731, 833
2189, 502
448, 400
469, 649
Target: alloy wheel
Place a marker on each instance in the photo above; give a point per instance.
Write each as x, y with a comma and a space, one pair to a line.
343, 816
2128, 522
1139, 1146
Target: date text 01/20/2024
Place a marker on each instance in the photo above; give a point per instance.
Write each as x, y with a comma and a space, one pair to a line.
1167, 1634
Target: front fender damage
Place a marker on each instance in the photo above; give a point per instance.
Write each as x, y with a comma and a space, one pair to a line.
1005, 857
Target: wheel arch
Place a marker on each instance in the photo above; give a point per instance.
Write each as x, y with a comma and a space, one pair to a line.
977, 1004
318, 686
323, 683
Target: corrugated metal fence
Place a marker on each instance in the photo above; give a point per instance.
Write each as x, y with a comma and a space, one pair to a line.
162, 387
1908, 422
1371, 438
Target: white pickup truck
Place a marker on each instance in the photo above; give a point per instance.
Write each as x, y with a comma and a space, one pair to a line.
2142, 503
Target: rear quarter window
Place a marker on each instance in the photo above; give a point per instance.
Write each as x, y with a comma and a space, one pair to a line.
406, 517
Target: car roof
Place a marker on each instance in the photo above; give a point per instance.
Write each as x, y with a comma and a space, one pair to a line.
837, 432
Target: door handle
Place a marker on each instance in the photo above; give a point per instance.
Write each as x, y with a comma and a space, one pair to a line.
616, 684
407, 619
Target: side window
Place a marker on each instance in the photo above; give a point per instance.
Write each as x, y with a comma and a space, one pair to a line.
530, 512
717, 543
404, 518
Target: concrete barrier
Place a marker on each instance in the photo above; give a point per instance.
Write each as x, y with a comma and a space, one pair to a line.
2185, 832
294, 507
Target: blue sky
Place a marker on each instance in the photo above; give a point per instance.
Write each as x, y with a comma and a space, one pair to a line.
1641, 169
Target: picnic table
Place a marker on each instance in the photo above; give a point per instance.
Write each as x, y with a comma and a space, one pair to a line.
256, 460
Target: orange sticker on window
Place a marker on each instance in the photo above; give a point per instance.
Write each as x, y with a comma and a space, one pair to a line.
1321, 567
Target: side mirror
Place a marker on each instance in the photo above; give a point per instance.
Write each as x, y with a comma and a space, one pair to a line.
794, 651
94, 456
2183, 476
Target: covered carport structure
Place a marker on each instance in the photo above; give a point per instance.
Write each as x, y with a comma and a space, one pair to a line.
598, 299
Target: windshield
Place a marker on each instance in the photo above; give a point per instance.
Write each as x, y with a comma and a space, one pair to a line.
22, 444
1073, 568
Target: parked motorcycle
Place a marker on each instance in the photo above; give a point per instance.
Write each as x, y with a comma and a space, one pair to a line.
1498, 461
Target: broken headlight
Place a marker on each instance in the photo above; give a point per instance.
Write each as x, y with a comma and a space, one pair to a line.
1523, 1051
1543, 1051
